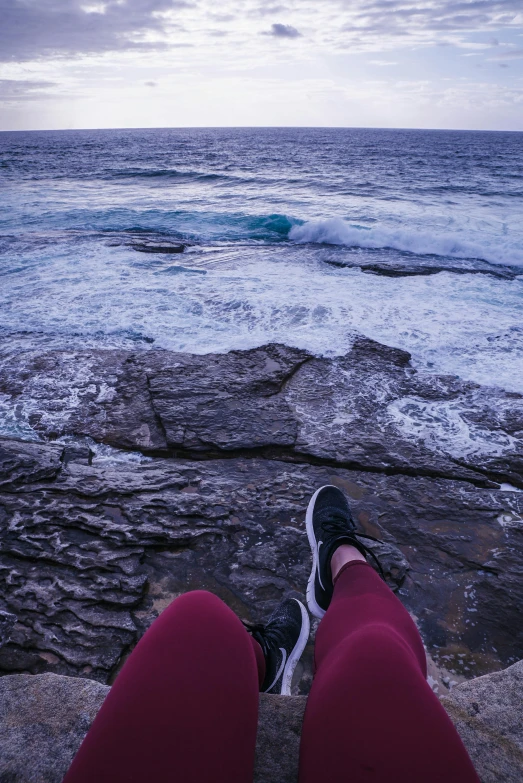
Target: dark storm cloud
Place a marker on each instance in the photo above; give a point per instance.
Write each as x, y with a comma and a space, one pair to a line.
23, 89
283, 31
41, 28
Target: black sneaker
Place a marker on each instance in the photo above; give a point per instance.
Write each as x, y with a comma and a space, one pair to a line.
329, 523
282, 639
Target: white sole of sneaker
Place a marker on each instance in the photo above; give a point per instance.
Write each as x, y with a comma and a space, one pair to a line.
313, 605
297, 651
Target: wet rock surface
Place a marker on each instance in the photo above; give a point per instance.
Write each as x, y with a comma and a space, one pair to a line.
408, 269
96, 538
91, 555
154, 247
398, 264
367, 410
7, 622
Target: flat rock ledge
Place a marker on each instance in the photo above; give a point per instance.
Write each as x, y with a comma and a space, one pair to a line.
128, 478
43, 719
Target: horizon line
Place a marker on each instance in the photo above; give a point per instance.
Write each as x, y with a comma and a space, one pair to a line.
257, 127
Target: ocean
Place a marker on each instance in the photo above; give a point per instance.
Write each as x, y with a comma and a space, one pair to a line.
302, 236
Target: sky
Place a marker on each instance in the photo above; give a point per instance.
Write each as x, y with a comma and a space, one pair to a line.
346, 63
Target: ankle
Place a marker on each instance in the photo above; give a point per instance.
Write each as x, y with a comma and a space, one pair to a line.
341, 556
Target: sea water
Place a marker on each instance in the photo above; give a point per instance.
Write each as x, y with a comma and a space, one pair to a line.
280, 225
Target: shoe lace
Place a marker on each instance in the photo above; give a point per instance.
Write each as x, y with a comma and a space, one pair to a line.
366, 551
268, 635
336, 525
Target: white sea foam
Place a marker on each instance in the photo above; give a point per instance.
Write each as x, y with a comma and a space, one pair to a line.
399, 192
442, 427
336, 231
467, 325
509, 488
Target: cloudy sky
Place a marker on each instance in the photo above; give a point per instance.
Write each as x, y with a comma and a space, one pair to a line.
151, 63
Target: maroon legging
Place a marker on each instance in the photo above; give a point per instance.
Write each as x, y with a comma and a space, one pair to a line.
184, 708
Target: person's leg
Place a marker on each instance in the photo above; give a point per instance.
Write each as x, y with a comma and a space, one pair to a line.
371, 715
185, 705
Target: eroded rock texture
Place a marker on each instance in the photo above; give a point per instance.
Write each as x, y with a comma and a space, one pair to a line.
96, 541
367, 410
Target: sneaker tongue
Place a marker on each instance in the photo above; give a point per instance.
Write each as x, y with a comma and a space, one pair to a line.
331, 547
335, 520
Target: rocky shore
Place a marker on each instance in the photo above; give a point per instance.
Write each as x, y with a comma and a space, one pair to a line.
43, 720
132, 477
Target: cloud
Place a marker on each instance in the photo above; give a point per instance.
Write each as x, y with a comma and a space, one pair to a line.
32, 29
283, 31
51, 29
509, 54
268, 10
151, 84
430, 21
14, 90
222, 17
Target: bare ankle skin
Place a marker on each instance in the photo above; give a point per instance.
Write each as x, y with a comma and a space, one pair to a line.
342, 555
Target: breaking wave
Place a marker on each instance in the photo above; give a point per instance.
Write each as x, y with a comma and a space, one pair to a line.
169, 174
338, 232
